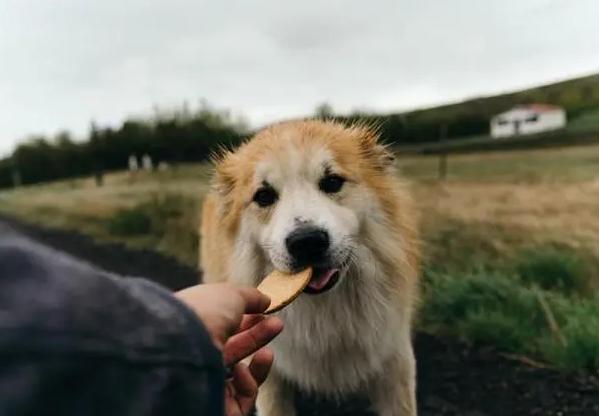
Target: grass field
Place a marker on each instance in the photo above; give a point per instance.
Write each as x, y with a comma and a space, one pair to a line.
511, 240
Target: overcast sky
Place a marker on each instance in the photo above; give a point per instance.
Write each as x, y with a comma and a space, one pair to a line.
65, 62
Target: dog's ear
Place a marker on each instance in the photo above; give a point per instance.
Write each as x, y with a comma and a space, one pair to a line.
225, 176
378, 153
225, 181
385, 155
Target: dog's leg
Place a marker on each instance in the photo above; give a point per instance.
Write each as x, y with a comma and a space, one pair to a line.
275, 397
394, 393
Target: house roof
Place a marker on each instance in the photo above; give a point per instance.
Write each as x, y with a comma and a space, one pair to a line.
537, 107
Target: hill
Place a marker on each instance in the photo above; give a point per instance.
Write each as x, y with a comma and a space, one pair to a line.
575, 95
579, 96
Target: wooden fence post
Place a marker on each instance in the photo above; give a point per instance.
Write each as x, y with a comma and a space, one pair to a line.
442, 169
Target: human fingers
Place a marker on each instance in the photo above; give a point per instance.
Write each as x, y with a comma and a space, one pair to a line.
255, 301
251, 340
261, 364
249, 321
246, 388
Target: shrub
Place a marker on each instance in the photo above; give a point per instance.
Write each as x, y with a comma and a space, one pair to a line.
552, 270
161, 207
580, 330
497, 309
127, 222
482, 307
175, 225
168, 220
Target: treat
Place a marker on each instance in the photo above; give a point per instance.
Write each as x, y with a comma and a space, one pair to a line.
283, 288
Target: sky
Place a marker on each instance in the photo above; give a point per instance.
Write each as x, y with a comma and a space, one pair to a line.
64, 63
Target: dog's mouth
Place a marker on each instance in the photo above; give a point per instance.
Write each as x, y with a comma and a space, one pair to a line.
323, 279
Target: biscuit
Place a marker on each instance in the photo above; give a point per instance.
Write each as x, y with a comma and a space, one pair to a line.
283, 288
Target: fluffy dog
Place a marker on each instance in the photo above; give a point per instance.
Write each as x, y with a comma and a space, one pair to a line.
313, 193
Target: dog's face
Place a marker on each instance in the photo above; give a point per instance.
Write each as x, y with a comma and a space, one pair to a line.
301, 195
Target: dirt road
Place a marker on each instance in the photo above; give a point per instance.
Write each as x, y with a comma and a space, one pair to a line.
453, 378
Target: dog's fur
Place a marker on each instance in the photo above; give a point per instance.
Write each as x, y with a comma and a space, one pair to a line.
356, 337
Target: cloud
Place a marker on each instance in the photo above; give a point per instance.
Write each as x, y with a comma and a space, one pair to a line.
65, 63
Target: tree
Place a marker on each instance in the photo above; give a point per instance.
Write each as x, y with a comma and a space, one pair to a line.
324, 111
179, 136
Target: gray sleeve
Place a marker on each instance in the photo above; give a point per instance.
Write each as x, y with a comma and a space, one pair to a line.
77, 340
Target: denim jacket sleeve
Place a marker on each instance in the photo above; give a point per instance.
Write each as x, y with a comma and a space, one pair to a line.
75, 340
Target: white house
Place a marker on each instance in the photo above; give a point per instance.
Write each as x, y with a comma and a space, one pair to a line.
527, 119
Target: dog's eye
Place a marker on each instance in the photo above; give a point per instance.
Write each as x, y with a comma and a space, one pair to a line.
331, 183
265, 196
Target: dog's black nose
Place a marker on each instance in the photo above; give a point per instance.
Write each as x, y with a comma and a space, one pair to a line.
307, 245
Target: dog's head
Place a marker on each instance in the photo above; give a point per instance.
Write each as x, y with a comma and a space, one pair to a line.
298, 194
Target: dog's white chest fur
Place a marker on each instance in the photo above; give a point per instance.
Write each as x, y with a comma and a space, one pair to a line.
335, 342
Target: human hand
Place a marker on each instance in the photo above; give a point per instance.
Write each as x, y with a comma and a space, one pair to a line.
242, 388
221, 307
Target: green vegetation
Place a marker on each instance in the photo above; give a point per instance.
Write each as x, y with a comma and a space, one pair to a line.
164, 222
498, 309
470, 118
158, 210
129, 222
552, 269
575, 95
586, 122
176, 137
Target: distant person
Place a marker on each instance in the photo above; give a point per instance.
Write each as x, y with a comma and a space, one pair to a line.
75, 340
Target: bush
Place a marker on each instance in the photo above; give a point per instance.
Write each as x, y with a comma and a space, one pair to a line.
162, 208
168, 220
580, 330
175, 225
497, 309
552, 270
130, 222
481, 307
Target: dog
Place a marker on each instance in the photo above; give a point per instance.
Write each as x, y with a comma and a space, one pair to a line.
321, 194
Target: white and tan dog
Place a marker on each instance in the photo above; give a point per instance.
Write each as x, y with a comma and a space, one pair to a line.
321, 194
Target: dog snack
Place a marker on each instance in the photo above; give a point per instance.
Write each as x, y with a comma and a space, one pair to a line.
283, 288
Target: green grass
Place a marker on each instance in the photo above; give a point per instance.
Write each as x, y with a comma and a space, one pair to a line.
128, 222
492, 308
165, 222
553, 270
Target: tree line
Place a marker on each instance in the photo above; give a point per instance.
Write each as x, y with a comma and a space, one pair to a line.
176, 137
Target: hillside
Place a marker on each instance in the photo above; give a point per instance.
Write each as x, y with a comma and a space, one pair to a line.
579, 96
575, 95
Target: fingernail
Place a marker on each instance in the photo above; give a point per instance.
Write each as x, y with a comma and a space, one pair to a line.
276, 321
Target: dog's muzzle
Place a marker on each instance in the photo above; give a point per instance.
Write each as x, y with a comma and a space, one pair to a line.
309, 245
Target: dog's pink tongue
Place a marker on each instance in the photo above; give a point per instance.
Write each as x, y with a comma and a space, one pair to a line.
321, 277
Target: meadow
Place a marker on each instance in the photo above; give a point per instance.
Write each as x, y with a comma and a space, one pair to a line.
510, 240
